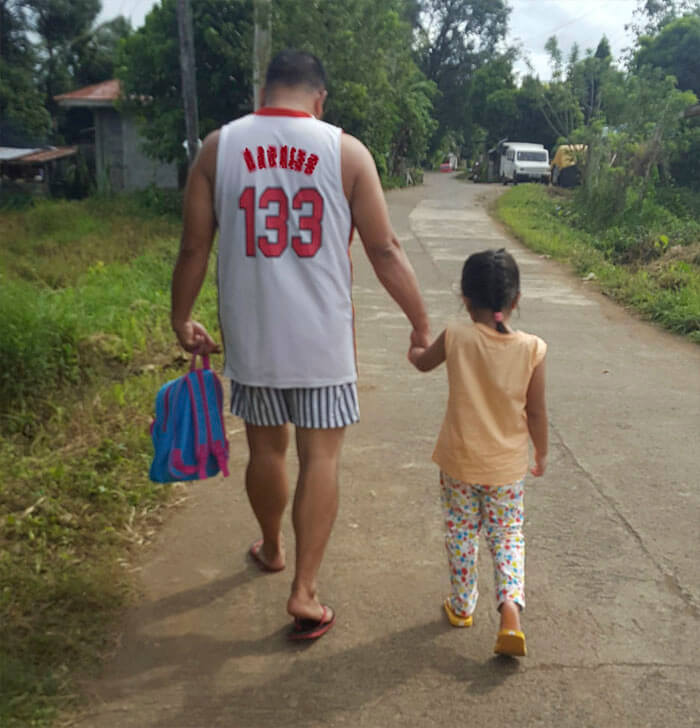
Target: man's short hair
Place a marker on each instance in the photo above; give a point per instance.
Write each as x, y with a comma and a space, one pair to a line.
294, 68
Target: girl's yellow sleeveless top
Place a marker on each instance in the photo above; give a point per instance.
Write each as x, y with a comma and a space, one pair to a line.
484, 436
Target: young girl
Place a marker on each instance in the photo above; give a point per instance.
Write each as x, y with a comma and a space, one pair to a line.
496, 396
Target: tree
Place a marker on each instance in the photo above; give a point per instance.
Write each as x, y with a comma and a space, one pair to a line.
25, 121
676, 49
148, 66
651, 16
501, 116
375, 90
58, 23
532, 124
92, 55
455, 38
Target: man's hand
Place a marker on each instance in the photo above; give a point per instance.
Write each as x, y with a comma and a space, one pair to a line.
540, 465
193, 337
420, 339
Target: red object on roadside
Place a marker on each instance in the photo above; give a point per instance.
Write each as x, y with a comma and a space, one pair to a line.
445, 167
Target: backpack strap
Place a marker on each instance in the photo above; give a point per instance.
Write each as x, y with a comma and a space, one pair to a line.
177, 467
201, 419
205, 362
213, 412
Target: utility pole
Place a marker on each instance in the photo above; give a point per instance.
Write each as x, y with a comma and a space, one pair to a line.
262, 41
188, 74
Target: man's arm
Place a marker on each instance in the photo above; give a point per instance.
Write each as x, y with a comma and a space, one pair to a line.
199, 227
371, 218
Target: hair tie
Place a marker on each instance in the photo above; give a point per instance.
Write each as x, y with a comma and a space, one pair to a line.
498, 317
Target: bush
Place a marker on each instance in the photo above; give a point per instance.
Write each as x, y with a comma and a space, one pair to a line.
14, 197
635, 264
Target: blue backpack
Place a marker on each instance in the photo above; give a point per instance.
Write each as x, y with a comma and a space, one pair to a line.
188, 433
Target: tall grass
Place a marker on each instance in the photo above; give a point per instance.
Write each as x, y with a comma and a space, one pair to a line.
657, 275
55, 241
85, 345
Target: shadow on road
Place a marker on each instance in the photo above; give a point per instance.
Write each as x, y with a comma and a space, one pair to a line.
212, 687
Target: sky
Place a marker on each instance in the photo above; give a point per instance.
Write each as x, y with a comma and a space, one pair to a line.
531, 23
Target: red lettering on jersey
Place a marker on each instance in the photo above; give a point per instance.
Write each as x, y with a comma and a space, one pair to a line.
250, 162
293, 159
272, 156
311, 163
299, 161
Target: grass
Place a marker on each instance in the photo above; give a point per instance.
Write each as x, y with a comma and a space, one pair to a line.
56, 241
662, 283
85, 345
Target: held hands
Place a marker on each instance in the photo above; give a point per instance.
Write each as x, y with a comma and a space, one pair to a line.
540, 465
194, 338
414, 354
420, 341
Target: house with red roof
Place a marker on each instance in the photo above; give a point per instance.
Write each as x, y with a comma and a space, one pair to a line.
119, 157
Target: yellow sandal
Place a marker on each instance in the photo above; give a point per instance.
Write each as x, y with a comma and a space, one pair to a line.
455, 619
510, 642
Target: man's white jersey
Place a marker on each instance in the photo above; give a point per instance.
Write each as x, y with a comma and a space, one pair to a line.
284, 269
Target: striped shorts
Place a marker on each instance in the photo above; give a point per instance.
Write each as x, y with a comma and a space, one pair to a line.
318, 407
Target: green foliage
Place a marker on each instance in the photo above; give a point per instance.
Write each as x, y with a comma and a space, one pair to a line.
658, 274
91, 55
455, 39
21, 104
68, 506
84, 286
149, 68
85, 360
381, 97
58, 23
675, 50
37, 345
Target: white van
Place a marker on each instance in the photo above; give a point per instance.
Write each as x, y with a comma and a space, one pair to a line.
521, 162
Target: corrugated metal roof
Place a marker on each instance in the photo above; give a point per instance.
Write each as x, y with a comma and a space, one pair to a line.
35, 156
48, 155
8, 153
99, 94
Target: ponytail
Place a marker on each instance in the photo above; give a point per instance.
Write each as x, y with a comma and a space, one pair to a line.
500, 326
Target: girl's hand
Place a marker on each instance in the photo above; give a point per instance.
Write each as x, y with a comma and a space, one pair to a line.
540, 465
414, 354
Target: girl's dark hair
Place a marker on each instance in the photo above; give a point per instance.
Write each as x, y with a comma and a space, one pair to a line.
293, 68
491, 280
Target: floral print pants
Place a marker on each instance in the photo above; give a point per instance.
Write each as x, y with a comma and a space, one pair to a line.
500, 510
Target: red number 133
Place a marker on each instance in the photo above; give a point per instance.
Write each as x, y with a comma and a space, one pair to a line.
279, 222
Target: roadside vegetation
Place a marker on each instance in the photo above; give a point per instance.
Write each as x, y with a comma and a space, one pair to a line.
85, 344
647, 257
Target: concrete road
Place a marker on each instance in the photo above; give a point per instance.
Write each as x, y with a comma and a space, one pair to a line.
613, 543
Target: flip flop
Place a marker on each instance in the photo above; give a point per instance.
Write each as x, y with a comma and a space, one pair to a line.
312, 629
254, 553
455, 619
510, 642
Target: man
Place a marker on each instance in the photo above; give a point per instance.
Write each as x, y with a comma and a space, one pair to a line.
284, 190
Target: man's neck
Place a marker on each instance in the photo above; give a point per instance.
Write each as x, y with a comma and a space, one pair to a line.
289, 101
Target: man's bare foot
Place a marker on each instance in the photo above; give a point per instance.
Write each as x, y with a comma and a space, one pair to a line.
510, 615
307, 607
267, 558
